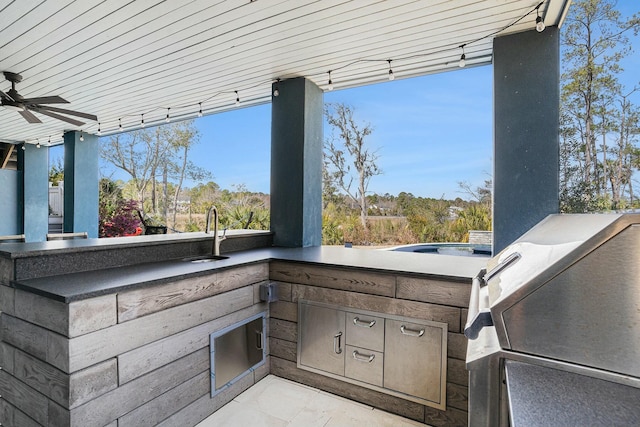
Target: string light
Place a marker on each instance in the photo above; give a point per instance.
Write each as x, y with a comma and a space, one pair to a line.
81, 137
539, 22
540, 26
276, 91
24, 147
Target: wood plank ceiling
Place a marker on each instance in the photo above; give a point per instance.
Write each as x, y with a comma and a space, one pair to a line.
119, 59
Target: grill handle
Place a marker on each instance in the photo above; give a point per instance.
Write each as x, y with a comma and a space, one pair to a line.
511, 259
477, 318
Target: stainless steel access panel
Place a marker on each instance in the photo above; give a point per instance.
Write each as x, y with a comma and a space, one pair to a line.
392, 354
236, 351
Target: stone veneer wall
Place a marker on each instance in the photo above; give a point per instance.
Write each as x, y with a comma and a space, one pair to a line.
138, 358
398, 294
480, 237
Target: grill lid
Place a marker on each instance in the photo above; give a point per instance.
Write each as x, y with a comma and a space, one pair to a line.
539, 251
573, 291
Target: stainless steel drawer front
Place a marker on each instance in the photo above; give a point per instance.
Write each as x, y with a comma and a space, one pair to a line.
365, 331
364, 365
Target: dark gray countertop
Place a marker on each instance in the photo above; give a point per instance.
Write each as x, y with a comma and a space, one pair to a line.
78, 286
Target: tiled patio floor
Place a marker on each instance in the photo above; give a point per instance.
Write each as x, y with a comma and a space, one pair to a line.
277, 402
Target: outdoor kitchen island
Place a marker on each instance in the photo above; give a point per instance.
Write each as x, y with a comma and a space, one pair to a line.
117, 331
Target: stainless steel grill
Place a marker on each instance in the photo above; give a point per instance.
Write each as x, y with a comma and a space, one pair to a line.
555, 314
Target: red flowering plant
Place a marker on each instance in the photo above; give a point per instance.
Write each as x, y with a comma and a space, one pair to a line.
118, 216
123, 222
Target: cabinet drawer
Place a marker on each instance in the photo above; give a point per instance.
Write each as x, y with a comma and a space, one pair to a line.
415, 359
364, 365
365, 331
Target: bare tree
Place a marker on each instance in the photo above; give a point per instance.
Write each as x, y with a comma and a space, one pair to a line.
151, 153
130, 152
482, 195
347, 156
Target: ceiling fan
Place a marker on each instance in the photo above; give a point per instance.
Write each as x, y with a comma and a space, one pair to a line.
13, 101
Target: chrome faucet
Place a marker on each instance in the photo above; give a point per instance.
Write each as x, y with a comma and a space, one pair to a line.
216, 239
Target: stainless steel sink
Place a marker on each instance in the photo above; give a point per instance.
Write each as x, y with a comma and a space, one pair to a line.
204, 258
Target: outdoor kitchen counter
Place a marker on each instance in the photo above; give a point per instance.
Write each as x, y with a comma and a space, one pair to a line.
130, 314
89, 284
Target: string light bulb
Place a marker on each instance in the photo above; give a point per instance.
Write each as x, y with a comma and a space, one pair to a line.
200, 110
24, 147
120, 125
276, 91
168, 118
99, 131
330, 81
237, 98
142, 124
81, 137
539, 21
391, 76
463, 58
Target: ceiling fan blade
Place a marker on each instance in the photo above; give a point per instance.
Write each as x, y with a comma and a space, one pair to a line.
57, 116
70, 112
29, 116
45, 100
5, 96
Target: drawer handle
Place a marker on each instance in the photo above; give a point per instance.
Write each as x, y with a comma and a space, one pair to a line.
337, 348
363, 357
411, 332
363, 323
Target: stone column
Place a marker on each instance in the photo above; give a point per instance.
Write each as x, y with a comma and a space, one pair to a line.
81, 180
296, 163
526, 142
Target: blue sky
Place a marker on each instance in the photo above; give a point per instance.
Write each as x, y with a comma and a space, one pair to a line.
430, 132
